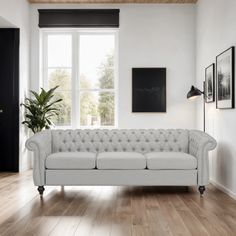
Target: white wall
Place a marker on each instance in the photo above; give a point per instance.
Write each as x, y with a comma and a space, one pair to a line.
216, 24
157, 35
15, 13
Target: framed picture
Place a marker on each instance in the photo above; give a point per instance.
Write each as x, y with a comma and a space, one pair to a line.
149, 90
210, 83
225, 79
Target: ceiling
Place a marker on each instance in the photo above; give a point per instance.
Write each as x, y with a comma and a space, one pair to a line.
112, 1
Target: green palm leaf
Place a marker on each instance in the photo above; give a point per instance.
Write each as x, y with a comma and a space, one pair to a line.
40, 110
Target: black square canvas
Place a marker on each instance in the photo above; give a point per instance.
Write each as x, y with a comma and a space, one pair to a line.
149, 90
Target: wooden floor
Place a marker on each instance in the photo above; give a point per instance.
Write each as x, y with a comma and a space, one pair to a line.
116, 211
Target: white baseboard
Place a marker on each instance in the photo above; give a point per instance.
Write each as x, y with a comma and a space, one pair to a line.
223, 189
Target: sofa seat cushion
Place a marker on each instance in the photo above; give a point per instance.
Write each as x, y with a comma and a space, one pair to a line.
121, 161
71, 160
170, 161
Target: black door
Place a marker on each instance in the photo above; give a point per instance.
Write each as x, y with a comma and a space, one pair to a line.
9, 99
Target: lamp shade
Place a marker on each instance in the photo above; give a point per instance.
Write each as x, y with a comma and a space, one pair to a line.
194, 92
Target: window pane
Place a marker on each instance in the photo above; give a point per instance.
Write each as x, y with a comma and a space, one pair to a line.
59, 77
96, 108
64, 117
59, 50
96, 61
106, 108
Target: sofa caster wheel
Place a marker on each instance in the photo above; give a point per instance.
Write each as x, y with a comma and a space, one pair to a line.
41, 190
201, 189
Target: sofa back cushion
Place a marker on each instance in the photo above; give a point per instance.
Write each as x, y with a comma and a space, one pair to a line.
120, 140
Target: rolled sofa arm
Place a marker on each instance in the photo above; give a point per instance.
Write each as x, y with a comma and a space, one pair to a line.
200, 144
41, 145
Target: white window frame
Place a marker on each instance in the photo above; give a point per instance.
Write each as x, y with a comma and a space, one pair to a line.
75, 90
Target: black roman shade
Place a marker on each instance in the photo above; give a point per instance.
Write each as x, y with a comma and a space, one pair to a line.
65, 18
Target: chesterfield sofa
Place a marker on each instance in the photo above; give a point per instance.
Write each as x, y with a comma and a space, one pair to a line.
121, 157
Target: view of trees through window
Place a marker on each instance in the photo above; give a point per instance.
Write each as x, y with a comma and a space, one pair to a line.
62, 78
93, 98
97, 108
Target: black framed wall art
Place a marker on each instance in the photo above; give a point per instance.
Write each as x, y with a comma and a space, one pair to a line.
225, 79
149, 90
210, 83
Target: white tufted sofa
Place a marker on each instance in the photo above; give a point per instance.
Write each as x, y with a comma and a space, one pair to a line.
121, 157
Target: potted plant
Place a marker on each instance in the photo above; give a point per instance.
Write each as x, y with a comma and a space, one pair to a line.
41, 109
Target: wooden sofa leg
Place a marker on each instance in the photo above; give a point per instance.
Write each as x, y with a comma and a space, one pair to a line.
41, 190
201, 189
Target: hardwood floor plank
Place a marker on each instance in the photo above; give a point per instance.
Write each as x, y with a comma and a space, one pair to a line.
86, 223
103, 222
191, 222
68, 222
207, 218
221, 211
50, 219
31, 215
176, 223
122, 217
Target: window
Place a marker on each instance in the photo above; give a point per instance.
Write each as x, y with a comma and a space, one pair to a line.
83, 64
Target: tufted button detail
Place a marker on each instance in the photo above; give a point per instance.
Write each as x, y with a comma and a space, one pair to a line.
69, 149
124, 140
88, 149
60, 149
115, 149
